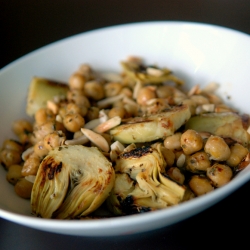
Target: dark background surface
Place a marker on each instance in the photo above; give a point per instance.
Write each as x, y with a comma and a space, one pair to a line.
27, 25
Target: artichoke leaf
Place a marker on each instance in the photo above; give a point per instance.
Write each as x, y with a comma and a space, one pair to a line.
226, 125
72, 181
151, 128
41, 90
151, 190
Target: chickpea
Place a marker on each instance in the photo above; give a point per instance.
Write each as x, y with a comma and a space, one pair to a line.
117, 111
92, 113
13, 145
197, 162
217, 148
23, 188
191, 104
175, 174
78, 98
173, 142
53, 140
94, 90
112, 89
44, 115
145, 94
191, 142
14, 173
219, 174
200, 185
22, 127
77, 81
40, 150
238, 153
75, 109
168, 155
73, 122
127, 91
164, 91
85, 70
31, 165
9, 157
42, 130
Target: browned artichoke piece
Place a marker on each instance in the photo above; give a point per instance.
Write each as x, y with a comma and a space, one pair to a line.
150, 128
40, 91
72, 181
149, 74
226, 125
142, 184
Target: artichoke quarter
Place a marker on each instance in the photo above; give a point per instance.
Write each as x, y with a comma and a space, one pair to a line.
72, 181
142, 184
153, 127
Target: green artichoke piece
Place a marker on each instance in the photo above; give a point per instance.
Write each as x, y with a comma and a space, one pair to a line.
150, 128
135, 73
142, 184
40, 91
226, 125
72, 181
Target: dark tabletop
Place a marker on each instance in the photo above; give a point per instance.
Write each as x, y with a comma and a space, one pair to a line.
26, 25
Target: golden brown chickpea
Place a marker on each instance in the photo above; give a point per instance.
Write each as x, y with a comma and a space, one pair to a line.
9, 157
40, 150
22, 127
72, 108
145, 94
31, 165
238, 153
94, 90
197, 162
191, 142
41, 130
77, 81
44, 115
164, 91
112, 89
78, 98
173, 142
200, 185
117, 111
53, 140
73, 122
13, 145
23, 188
217, 148
14, 173
219, 174
92, 113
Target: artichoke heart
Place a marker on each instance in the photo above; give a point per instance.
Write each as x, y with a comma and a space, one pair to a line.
142, 184
72, 181
40, 91
150, 128
226, 125
139, 72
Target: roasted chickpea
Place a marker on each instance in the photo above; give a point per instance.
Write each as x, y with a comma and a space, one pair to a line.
197, 162
145, 94
78, 98
72, 108
44, 115
73, 122
238, 153
117, 111
217, 148
23, 188
54, 139
191, 142
13, 145
40, 150
94, 90
92, 113
22, 127
14, 173
200, 185
31, 165
10, 157
219, 174
173, 142
112, 89
77, 81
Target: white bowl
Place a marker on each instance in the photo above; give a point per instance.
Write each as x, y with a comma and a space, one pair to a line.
198, 53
